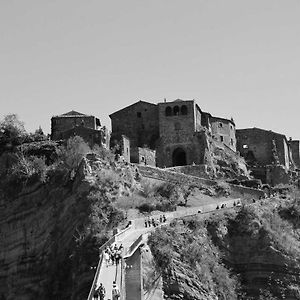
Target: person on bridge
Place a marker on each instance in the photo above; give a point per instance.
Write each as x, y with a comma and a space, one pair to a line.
106, 257
115, 292
99, 292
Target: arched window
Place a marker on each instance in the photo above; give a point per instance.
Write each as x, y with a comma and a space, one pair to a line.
168, 111
176, 110
184, 110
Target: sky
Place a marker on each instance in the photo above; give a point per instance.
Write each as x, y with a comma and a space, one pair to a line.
236, 58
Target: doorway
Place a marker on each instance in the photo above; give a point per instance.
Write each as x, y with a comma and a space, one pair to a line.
179, 157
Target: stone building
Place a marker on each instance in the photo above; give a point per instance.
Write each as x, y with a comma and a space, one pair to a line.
177, 130
267, 154
139, 122
74, 123
263, 147
295, 149
181, 135
223, 130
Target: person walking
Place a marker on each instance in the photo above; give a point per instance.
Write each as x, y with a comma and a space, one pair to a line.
115, 292
106, 258
101, 291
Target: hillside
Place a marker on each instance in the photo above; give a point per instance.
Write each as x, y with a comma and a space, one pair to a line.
250, 253
59, 205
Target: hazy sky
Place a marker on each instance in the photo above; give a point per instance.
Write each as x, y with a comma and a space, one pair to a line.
236, 58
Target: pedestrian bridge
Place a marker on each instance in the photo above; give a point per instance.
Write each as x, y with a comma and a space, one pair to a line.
127, 273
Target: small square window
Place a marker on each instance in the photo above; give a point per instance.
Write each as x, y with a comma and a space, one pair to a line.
139, 114
222, 138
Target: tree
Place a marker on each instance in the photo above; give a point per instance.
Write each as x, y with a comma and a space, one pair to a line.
12, 131
73, 152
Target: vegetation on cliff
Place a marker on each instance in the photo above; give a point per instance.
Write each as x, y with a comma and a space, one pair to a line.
252, 253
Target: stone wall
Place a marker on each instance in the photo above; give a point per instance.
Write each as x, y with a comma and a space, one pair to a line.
144, 156
89, 135
63, 123
257, 146
194, 170
223, 130
139, 122
133, 276
176, 119
161, 174
295, 149
126, 148
189, 147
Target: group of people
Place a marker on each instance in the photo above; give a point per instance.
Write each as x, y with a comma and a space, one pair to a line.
113, 254
152, 222
100, 292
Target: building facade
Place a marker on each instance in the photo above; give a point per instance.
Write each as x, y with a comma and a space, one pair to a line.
139, 122
223, 130
295, 149
74, 123
176, 130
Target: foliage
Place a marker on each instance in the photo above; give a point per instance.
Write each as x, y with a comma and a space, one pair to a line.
72, 153
12, 131
223, 188
105, 154
28, 166
192, 252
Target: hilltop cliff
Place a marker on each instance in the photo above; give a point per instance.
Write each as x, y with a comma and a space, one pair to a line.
51, 229
56, 211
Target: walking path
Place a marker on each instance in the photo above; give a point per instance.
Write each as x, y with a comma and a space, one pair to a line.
131, 238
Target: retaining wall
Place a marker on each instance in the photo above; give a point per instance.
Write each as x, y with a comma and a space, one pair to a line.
184, 179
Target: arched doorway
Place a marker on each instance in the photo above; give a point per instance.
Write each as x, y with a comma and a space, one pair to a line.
179, 157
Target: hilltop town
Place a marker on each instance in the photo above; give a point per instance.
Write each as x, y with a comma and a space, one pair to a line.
179, 133
173, 203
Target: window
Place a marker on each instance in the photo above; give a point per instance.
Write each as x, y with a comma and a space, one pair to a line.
139, 114
222, 138
220, 125
168, 111
231, 142
184, 110
176, 110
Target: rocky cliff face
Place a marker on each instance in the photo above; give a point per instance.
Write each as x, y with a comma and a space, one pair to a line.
49, 232
252, 253
262, 248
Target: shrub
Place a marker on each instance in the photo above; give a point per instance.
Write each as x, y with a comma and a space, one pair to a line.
148, 188
223, 188
28, 166
194, 255
72, 153
12, 131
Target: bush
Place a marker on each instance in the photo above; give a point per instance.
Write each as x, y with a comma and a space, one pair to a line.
148, 188
29, 166
72, 153
12, 131
223, 188
196, 260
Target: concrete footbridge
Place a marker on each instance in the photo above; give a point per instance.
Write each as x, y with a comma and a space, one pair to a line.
124, 274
